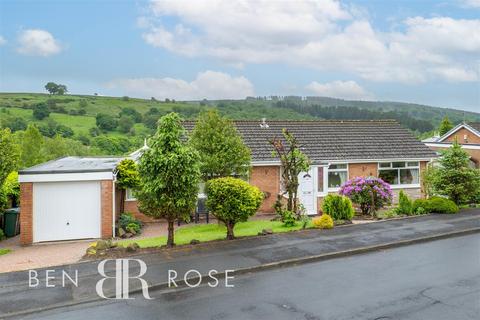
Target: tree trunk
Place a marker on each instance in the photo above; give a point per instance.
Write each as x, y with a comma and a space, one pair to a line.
230, 235
170, 240
122, 200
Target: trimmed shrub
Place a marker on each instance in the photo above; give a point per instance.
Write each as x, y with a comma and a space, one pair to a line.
128, 222
323, 222
405, 204
232, 200
435, 205
288, 218
338, 207
369, 193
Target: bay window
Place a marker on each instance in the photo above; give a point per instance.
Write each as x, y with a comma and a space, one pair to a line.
400, 173
337, 175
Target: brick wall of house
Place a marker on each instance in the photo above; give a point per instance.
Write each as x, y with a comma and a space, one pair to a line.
362, 170
267, 179
474, 154
459, 135
26, 213
132, 207
106, 200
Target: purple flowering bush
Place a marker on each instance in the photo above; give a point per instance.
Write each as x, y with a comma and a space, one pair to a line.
369, 193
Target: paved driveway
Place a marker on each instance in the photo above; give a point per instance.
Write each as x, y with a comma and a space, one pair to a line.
54, 254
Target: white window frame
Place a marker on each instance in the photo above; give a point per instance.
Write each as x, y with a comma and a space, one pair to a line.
402, 186
328, 170
325, 180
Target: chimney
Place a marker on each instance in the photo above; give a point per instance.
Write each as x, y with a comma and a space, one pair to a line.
264, 123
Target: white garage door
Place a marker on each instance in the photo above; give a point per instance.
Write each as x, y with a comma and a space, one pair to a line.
66, 210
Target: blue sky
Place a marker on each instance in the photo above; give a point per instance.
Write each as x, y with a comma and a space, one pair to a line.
414, 51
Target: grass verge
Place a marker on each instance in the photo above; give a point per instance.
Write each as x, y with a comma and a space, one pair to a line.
211, 232
4, 251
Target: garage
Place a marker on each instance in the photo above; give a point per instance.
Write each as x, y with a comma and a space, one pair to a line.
68, 199
66, 210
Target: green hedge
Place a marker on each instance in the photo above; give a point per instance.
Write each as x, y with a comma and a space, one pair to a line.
435, 205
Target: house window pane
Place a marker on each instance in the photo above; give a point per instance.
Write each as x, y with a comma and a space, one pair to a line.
385, 164
409, 176
412, 164
398, 164
336, 178
320, 179
130, 194
389, 176
338, 166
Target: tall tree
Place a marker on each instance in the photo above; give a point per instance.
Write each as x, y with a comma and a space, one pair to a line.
51, 87
293, 161
222, 151
9, 154
455, 178
444, 126
31, 146
127, 178
169, 175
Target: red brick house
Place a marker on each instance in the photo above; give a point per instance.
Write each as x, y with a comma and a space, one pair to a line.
466, 133
74, 197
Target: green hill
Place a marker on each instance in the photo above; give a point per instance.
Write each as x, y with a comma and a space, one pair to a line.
129, 120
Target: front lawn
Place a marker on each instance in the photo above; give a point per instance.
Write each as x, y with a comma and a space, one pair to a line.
210, 232
4, 251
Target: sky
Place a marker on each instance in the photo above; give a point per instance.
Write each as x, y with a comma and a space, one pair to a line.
417, 51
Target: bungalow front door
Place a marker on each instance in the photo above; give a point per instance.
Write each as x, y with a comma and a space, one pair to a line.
306, 191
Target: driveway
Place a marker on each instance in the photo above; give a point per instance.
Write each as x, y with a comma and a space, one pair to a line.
55, 253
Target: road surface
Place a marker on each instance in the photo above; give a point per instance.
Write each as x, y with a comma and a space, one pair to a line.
435, 280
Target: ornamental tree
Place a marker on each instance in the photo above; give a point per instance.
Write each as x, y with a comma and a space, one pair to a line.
127, 178
222, 151
369, 193
293, 161
455, 178
169, 175
444, 126
232, 200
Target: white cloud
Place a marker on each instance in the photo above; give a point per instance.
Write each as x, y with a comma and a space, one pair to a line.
36, 42
2, 41
340, 89
320, 34
208, 84
471, 3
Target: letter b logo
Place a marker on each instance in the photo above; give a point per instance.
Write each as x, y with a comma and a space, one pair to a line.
122, 278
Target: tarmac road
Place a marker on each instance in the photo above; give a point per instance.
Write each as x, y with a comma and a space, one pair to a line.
435, 280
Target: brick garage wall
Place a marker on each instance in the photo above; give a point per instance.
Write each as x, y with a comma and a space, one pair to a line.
26, 213
106, 200
459, 135
267, 179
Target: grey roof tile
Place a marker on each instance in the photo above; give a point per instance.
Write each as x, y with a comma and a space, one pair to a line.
75, 165
334, 140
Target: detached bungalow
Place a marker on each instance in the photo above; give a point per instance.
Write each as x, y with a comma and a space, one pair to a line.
76, 198
467, 134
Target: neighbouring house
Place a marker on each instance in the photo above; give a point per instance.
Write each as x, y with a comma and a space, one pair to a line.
76, 198
466, 133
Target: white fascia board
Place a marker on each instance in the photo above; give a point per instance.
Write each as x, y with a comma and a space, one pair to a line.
379, 160
265, 163
448, 145
57, 177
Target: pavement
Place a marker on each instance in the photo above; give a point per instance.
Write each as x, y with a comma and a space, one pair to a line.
437, 280
49, 254
242, 255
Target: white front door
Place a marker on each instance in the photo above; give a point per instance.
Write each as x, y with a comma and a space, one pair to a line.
66, 210
306, 191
